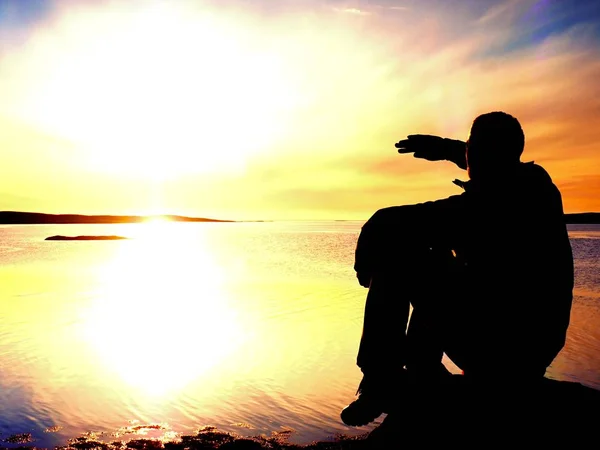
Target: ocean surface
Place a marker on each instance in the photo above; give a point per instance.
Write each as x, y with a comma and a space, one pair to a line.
249, 327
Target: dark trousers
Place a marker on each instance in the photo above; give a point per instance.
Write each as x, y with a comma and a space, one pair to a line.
443, 320
430, 283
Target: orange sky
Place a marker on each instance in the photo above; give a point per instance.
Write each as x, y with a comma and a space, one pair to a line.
253, 111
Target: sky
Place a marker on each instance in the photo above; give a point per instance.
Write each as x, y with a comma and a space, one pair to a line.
283, 109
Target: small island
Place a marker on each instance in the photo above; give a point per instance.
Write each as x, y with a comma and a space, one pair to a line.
84, 238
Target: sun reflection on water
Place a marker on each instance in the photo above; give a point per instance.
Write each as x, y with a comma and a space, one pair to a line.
162, 318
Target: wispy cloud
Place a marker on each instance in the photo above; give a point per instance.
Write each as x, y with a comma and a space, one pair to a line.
505, 12
354, 11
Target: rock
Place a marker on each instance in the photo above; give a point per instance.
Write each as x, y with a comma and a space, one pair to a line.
481, 415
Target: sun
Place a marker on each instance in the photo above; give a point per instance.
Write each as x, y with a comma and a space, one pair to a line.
163, 92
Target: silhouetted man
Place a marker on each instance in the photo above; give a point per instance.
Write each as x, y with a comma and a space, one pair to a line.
489, 273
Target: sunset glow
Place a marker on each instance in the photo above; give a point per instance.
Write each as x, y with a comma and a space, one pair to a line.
282, 110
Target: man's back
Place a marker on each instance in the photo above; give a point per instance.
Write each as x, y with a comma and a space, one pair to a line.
519, 266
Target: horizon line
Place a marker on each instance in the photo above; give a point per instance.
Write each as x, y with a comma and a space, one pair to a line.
128, 218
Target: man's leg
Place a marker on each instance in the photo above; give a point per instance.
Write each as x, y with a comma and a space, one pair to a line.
382, 346
425, 345
418, 275
434, 306
386, 347
382, 350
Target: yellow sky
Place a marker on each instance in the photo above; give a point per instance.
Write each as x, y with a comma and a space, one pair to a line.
248, 113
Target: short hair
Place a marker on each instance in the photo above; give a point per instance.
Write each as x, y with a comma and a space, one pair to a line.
500, 134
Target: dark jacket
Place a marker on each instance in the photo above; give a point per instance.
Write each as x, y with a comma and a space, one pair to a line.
512, 294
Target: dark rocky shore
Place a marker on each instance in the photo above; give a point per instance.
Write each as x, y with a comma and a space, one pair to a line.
457, 414
207, 438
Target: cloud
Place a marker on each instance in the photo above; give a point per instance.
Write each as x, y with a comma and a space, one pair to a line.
505, 12
581, 192
354, 11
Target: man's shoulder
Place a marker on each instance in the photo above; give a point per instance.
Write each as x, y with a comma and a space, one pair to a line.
534, 173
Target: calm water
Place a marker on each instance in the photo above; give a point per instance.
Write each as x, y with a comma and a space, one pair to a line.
252, 328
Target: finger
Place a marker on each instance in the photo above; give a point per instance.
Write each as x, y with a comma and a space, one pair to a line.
426, 155
420, 135
404, 147
429, 155
460, 183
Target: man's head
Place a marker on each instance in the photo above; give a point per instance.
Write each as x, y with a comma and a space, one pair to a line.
495, 145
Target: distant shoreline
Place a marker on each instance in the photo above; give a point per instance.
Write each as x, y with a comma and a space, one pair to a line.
583, 218
26, 218
32, 218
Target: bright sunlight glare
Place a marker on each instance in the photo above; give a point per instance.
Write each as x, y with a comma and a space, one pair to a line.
162, 92
161, 319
